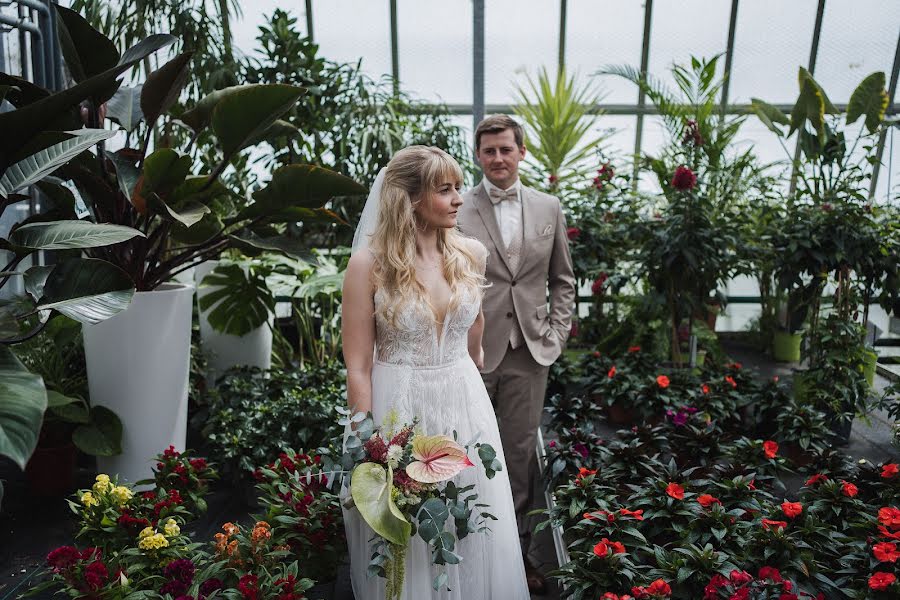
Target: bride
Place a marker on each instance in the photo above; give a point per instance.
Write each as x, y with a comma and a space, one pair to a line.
412, 327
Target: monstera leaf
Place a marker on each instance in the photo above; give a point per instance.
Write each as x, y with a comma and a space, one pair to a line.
239, 301
438, 458
370, 487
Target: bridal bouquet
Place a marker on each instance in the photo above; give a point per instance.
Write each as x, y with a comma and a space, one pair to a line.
400, 483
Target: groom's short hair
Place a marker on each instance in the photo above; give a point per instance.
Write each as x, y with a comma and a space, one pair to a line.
496, 124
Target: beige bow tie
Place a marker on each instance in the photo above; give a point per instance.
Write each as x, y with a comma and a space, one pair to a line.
500, 195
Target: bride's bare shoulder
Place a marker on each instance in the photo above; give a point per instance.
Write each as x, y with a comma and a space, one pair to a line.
360, 267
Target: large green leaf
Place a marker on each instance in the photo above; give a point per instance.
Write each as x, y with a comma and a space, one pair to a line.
164, 170
276, 130
238, 302
20, 126
125, 107
127, 173
35, 278
769, 115
243, 115
189, 214
51, 150
869, 99
304, 186
64, 235
87, 51
199, 117
163, 86
810, 105
253, 244
87, 290
23, 400
102, 436
370, 486
201, 231
67, 409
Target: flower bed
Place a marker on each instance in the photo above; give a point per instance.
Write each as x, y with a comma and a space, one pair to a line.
699, 501
131, 543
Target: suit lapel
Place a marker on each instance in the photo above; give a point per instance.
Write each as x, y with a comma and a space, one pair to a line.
486, 211
527, 220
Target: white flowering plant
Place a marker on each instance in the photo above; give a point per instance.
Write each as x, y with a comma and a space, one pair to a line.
400, 481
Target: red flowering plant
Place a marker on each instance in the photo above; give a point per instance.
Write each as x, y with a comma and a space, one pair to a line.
306, 515
767, 585
666, 501
188, 475
688, 567
761, 458
249, 563
574, 449
599, 563
836, 502
878, 482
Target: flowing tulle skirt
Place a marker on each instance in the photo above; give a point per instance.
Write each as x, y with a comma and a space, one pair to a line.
446, 398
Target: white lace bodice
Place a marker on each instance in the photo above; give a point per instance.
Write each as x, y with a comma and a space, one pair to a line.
414, 338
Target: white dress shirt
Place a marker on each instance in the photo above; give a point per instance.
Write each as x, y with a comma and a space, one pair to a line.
508, 212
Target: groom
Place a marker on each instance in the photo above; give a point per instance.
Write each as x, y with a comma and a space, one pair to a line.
524, 231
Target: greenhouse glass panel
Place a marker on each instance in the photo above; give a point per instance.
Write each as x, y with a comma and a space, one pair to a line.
684, 28
598, 35
766, 146
520, 37
347, 30
858, 38
772, 39
435, 49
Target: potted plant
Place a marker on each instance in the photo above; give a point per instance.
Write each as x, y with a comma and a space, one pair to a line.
183, 219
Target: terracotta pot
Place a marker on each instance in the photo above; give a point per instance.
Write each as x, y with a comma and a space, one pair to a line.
50, 472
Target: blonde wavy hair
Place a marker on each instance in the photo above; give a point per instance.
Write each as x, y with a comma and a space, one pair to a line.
411, 177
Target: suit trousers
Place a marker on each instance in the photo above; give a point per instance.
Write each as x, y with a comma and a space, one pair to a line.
517, 388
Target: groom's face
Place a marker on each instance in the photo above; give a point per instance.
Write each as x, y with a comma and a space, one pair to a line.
499, 157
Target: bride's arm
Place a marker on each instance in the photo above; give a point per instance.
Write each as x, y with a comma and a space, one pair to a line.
358, 331
476, 331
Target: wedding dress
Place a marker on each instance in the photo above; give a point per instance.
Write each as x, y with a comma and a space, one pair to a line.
424, 370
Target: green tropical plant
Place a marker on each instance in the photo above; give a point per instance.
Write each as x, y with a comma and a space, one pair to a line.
559, 116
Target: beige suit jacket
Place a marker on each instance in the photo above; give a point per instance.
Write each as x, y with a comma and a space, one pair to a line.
544, 263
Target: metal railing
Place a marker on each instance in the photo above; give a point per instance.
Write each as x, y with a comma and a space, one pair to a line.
36, 25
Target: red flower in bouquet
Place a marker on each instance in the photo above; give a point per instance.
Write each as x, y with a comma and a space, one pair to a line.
770, 573
769, 523
815, 479
880, 581
890, 470
675, 491
612, 372
704, 388
662, 381
707, 500
889, 516
63, 557
611, 596
573, 233
886, 551
848, 489
632, 349
597, 286
770, 448
731, 380
684, 179
792, 509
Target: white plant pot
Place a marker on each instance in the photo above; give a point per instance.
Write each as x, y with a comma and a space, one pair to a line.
137, 364
223, 350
